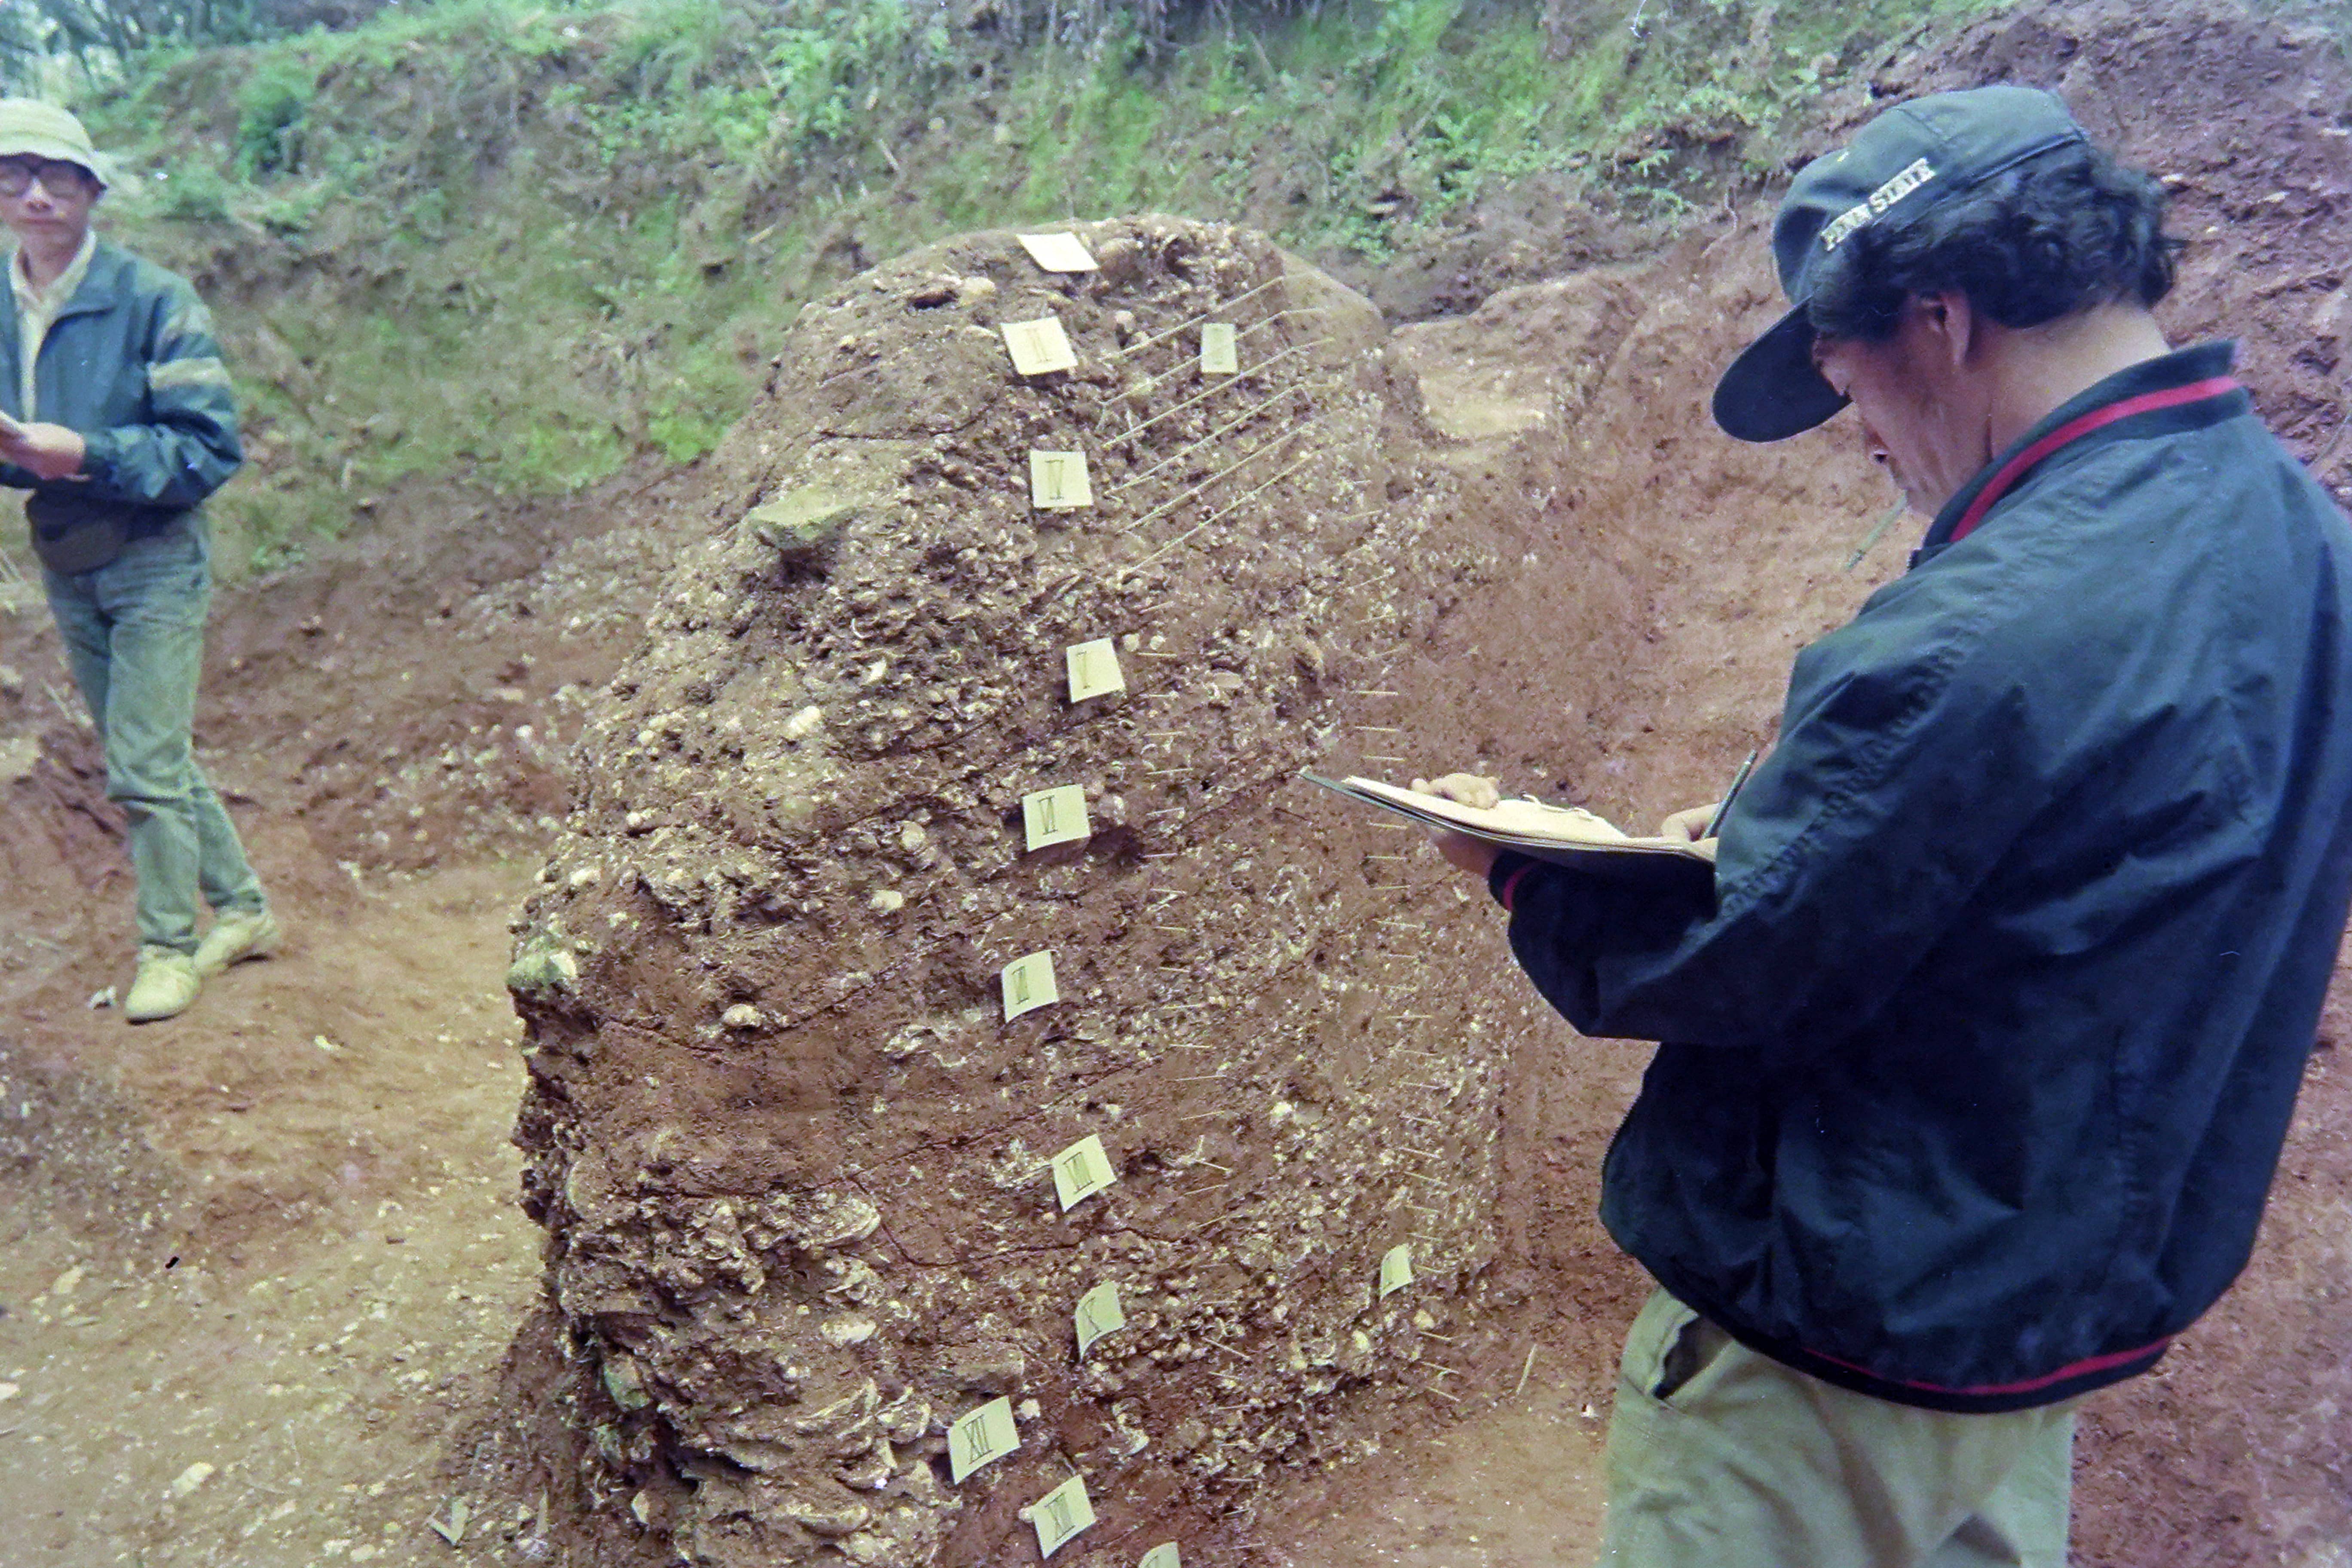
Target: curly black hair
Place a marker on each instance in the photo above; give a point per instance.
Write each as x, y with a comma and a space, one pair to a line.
2060, 232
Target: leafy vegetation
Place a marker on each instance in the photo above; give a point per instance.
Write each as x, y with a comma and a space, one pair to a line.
530, 243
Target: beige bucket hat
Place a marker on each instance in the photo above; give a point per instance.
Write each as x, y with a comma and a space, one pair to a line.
30, 127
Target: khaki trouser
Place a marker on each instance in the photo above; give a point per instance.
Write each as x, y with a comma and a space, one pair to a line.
1746, 1463
135, 634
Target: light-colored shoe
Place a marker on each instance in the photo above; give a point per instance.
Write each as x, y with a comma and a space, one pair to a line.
235, 936
166, 983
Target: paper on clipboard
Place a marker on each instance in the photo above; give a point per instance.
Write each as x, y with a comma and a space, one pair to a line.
1562, 835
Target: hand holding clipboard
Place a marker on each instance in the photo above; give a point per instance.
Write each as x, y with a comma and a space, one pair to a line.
50, 451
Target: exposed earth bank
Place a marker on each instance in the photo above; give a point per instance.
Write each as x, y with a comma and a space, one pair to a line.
235, 1241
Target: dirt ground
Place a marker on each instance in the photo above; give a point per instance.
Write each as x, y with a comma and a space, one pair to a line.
263, 1265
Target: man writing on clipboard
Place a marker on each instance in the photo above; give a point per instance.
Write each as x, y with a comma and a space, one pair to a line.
117, 415
1982, 1043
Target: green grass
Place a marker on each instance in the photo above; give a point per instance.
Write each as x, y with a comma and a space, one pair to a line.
529, 244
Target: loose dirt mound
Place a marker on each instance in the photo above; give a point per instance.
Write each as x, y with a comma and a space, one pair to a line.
793, 1156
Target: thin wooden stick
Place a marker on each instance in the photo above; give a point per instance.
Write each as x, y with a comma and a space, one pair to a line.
1174, 502
1179, 328
1201, 397
1222, 512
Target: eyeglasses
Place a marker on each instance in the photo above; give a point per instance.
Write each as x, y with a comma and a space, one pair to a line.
58, 176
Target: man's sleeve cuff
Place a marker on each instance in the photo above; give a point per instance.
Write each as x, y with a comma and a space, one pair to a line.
1503, 876
99, 450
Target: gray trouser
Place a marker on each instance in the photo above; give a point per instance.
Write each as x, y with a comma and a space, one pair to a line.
1746, 1463
135, 634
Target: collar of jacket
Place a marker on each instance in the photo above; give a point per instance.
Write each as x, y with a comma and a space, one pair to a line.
101, 287
2187, 389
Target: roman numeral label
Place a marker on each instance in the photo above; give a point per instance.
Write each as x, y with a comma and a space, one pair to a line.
1060, 1514
1099, 1313
1058, 482
1396, 1270
1039, 346
1028, 984
1094, 669
1057, 252
1053, 816
1219, 353
1081, 1171
981, 1437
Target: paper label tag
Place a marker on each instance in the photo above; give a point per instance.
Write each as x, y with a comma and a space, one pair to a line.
1057, 252
1094, 669
1040, 346
1058, 482
1163, 1556
1081, 1171
1061, 1514
1099, 1313
1028, 984
1055, 817
1220, 353
986, 1434
1396, 1270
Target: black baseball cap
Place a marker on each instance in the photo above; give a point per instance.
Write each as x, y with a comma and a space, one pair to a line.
1896, 167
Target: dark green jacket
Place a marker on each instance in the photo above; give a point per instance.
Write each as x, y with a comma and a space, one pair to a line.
1983, 1044
131, 365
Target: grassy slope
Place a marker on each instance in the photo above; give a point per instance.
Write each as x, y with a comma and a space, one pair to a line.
524, 244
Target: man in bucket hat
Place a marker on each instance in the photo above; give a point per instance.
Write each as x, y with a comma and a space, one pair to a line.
116, 414
1980, 1047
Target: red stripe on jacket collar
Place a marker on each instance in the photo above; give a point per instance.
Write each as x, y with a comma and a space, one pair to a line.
2001, 483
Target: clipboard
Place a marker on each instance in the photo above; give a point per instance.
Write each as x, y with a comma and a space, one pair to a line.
1558, 835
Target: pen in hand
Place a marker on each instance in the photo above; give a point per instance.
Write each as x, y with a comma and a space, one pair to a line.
1723, 806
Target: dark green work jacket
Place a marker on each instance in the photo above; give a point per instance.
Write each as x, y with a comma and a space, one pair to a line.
131, 365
